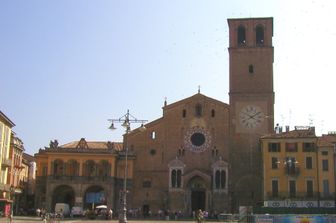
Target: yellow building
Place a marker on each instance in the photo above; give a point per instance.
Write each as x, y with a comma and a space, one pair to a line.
295, 171
326, 171
6, 126
80, 173
14, 180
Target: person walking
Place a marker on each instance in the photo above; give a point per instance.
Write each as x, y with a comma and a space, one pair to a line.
199, 216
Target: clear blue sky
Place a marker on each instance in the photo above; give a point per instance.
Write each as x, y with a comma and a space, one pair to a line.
68, 66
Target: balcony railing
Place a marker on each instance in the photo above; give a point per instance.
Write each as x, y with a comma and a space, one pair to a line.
6, 163
292, 171
298, 196
82, 179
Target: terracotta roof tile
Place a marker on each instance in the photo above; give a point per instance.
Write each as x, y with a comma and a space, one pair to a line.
99, 145
297, 133
326, 140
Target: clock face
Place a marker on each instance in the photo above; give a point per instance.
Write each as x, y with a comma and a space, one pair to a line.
251, 116
197, 139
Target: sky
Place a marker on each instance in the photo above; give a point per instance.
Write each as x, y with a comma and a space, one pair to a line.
66, 67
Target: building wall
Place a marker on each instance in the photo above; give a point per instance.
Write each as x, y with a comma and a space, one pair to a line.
326, 176
251, 105
156, 155
281, 173
69, 174
5, 148
310, 179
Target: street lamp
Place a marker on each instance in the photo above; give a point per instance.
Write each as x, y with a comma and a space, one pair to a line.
126, 121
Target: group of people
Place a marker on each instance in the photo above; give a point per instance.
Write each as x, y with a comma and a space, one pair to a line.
40, 212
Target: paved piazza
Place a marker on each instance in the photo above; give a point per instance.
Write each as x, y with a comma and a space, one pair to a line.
20, 219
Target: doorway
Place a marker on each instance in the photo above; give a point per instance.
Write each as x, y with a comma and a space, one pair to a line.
145, 210
197, 200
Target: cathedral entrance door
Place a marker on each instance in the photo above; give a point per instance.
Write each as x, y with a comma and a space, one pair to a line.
145, 210
197, 200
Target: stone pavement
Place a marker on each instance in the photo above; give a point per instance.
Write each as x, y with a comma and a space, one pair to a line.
22, 219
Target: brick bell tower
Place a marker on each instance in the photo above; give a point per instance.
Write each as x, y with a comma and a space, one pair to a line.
251, 105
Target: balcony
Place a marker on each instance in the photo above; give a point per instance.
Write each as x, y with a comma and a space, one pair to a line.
6, 163
292, 171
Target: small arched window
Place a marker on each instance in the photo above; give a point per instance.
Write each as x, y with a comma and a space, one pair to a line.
260, 35
176, 178
241, 35
198, 110
251, 69
213, 113
184, 113
173, 178
220, 179
217, 179
153, 135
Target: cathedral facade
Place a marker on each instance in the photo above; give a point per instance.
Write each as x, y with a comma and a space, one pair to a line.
201, 154
182, 159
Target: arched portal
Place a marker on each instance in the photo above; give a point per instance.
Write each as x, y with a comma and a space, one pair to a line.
63, 194
94, 196
197, 190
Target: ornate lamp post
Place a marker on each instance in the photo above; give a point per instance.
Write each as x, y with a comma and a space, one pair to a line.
126, 121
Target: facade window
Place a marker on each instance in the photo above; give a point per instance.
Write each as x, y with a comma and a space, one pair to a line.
259, 35
198, 110
324, 153
58, 167
146, 184
72, 168
220, 179
152, 152
181, 152
274, 147
176, 178
325, 188
103, 168
292, 188
308, 147
291, 165
275, 188
184, 113
291, 147
275, 163
44, 171
153, 135
309, 185
251, 69
325, 165
89, 168
241, 35
176, 167
214, 152
213, 113
309, 162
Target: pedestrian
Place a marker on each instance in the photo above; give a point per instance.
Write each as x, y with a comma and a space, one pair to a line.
199, 216
110, 214
38, 212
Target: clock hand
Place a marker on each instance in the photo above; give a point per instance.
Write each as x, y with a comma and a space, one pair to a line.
250, 116
255, 114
